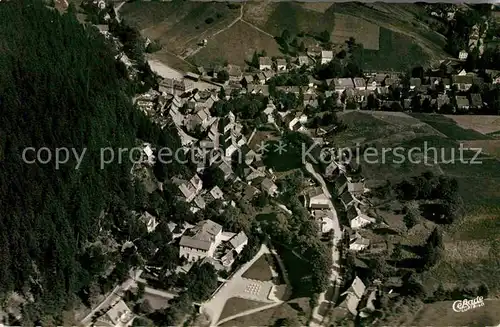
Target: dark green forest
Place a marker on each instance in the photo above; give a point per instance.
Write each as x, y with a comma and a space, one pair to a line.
60, 86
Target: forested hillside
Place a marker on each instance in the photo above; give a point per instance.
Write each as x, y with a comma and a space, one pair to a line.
60, 87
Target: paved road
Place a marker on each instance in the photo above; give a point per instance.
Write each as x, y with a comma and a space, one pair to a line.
335, 278
113, 297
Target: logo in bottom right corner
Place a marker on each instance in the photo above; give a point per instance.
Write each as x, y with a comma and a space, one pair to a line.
466, 305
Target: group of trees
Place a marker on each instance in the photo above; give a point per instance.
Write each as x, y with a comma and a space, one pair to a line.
244, 106
254, 62
67, 91
289, 44
430, 187
459, 293
338, 68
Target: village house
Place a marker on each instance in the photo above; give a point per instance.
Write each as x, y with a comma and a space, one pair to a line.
462, 55
268, 74
150, 158
359, 83
265, 63
354, 294
314, 51
269, 187
226, 170
235, 73
269, 111
357, 219
303, 60
238, 242
341, 84
356, 188
281, 65
462, 82
316, 199
191, 188
119, 315
324, 219
202, 242
463, 103
247, 80
310, 99
326, 57
260, 78
357, 242
149, 220
258, 89
441, 100
334, 168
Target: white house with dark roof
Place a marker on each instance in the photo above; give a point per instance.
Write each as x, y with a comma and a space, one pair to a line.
354, 295
202, 242
265, 63
303, 60
281, 65
326, 57
359, 83
357, 219
119, 315
316, 199
356, 188
358, 242
238, 242
341, 84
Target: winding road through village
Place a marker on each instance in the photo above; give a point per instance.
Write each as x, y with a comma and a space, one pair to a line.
335, 278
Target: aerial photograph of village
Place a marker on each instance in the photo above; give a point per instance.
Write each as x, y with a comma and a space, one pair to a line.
249, 163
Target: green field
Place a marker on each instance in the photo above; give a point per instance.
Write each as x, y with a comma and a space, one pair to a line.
298, 271
396, 52
450, 128
403, 18
294, 18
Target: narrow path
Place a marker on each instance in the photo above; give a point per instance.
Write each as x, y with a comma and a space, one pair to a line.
248, 312
192, 53
258, 29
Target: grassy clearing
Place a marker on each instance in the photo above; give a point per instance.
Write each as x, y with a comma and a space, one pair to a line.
260, 270
449, 127
299, 273
275, 17
441, 314
286, 161
178, 25
364, 32
403, 18
237, 305
396, 52
484, 124
293, 309
171, 61
236, 45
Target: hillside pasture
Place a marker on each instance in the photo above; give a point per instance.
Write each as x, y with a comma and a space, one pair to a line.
178, 25
484, 124
236, 45
450, 128
364, 32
